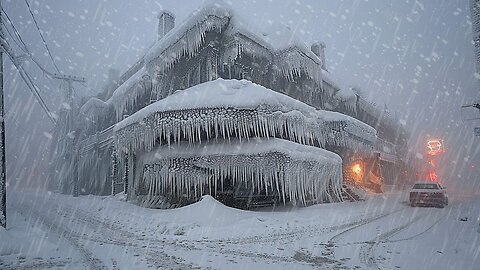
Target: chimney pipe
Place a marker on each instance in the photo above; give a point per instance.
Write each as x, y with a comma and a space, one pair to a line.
166, 22
318, 48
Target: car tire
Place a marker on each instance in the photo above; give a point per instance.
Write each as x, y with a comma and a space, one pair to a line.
413, 204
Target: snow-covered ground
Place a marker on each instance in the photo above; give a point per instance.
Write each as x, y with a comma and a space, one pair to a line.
54, 231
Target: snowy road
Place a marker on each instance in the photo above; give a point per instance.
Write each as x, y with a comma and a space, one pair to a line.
60, 232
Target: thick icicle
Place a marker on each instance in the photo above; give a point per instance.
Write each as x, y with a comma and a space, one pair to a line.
305, 171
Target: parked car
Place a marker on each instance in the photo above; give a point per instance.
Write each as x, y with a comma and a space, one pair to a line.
428, 193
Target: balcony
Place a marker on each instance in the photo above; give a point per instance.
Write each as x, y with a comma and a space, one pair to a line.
101, 140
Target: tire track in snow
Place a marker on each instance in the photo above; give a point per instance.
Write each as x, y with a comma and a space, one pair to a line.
300, 257
363, 223
40, 264
154, 250
416, 235
93, 262
366, 253
369, 256
109, 233
218, 244
155, 247
329, 251
116, 235
306, 231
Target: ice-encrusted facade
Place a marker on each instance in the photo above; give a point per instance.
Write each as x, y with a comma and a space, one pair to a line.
147, 112
224, 134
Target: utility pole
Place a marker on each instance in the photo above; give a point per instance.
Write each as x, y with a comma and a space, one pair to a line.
3, 175
17, 62
69, 80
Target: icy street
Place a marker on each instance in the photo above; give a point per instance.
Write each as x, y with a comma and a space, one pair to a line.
60, 232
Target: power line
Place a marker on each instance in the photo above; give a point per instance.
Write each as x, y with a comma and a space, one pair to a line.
43, 39
25, 49
24, 46
26, 77
13, 37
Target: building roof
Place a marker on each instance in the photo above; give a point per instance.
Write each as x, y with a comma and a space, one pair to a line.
233, 108
187, 37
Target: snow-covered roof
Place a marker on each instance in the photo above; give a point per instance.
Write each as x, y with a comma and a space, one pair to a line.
292, 55
240, 94
293, 171
187, 37
327, 77
251, 146
126, 94
92, 106
238, 108
348, 98
275, 36
346, 94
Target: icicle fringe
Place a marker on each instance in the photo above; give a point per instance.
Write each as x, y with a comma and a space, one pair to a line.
297, 180
195, 125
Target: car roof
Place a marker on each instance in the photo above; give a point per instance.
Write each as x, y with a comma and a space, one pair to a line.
425, 182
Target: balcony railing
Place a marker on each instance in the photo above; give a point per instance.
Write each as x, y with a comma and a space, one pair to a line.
100, 139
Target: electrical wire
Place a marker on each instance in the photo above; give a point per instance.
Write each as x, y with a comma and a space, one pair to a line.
43, 39
13, 37
23, 46
26, 77
25, 49
24, 74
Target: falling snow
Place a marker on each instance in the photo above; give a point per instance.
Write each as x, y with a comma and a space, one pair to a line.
239, 134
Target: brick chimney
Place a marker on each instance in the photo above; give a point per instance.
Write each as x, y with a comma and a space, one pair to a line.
166, 22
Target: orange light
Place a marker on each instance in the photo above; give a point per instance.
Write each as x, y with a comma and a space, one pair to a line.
433, 176
435, 147
357, 168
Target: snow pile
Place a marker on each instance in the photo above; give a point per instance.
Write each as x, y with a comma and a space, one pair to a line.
206, 212
240, 109
299, 173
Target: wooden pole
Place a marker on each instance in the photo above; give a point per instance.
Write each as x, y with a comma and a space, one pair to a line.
3, 175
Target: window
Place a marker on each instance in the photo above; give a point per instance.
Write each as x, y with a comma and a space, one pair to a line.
425, 186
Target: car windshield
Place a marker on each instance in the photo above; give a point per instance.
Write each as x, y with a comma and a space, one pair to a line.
425, 186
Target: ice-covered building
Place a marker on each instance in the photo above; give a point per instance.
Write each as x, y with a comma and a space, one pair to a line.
216, 108
475, 13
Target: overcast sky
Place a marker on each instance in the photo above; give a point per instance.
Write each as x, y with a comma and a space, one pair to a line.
414, 56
